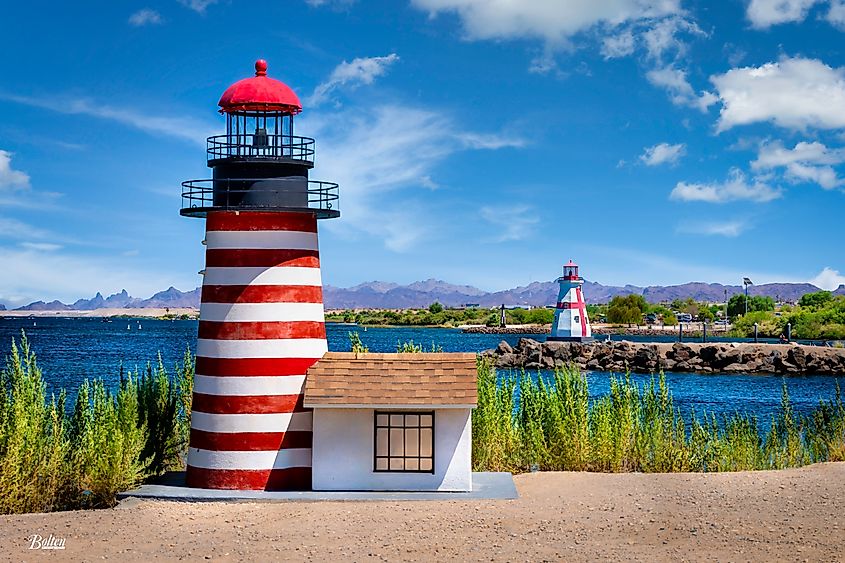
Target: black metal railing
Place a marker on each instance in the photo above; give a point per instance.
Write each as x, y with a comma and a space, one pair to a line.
260, 146
257, 194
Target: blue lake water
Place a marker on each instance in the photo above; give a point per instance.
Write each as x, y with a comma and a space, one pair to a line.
70, 350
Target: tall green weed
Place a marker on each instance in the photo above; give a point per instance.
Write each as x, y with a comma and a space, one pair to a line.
526, 422
110, 441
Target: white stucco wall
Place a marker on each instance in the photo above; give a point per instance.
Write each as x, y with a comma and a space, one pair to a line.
342, 454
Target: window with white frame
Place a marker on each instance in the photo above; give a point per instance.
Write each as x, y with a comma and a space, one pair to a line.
404, 442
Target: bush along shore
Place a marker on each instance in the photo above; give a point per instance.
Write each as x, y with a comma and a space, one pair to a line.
528, 423
53, 458
645, 357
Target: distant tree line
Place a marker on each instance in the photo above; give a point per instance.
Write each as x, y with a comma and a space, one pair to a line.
819, 315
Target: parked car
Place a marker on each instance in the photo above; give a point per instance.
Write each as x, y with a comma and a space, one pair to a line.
684, 317
651, 318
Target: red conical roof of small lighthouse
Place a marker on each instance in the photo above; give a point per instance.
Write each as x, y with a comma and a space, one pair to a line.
259, 93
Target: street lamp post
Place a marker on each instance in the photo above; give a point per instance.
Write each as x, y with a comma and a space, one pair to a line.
746, 282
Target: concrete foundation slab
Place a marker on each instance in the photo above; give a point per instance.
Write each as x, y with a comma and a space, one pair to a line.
485, 486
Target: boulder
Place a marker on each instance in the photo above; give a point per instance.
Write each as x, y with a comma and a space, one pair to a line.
508, 361
504, 348
646, 358
680, 352
798, 357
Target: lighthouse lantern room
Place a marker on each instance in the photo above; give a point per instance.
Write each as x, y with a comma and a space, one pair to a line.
571, 322
261, 317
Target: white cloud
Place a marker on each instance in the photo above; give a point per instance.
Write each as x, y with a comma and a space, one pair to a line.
362, 70
735, 188
145, 16
828, 279
11, 179
186, 129
807, 162
333, 3
490, 141
401, 146
552, 21
766, 13
14, 229
619, 26
674, 81
825, 176
512, 222
836, 14
198, 6
728, 229
663, 153
774, 154
662, 37
43, 246
620, 45
794, 93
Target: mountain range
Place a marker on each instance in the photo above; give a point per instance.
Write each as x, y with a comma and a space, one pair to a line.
386, 295
170, 297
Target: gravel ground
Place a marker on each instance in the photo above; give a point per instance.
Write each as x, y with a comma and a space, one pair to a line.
791, 515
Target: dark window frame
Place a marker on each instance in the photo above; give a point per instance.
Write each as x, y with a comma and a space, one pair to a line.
419, 457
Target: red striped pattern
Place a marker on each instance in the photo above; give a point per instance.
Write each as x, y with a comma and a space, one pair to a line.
247, 404
292, 479
261, 221
262, 294
223, 257
257, 404
211, 401
222, 367
249, 441
258, 330
582, 308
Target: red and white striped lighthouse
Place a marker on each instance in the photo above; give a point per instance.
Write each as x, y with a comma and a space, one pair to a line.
261, 319
571, 322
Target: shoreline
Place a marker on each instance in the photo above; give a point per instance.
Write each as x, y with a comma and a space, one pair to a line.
694, 357
690, 329
145, 312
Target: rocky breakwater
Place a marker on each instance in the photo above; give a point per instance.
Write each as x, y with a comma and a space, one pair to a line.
645, 357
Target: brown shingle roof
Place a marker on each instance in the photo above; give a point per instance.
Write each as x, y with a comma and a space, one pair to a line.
346, 378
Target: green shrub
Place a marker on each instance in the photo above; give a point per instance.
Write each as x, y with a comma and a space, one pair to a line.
34, 450
109, 442
526, 422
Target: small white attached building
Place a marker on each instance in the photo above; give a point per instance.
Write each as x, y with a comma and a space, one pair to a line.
392, 422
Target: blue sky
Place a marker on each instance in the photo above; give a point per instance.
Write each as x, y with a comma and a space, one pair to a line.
480, 142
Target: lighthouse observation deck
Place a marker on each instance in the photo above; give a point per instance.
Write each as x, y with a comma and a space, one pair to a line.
290, 193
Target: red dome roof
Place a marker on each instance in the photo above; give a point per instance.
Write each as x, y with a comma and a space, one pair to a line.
259, 93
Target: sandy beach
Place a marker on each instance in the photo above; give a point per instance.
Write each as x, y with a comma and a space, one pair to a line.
790, 515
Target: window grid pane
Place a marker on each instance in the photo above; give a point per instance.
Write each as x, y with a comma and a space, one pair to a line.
404, 442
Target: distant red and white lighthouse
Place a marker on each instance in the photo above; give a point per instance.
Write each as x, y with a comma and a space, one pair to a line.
571, 322
261, 319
